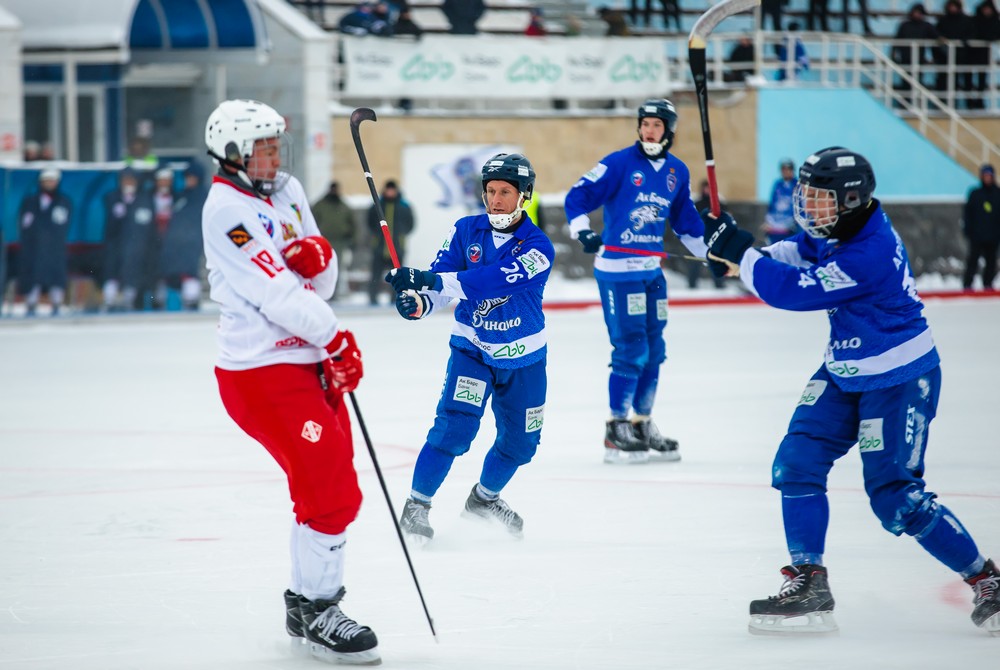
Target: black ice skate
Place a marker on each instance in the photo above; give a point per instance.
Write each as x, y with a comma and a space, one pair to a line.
804, 605
293, 624
414, 521
660, 448
494, 510
986, 586
334, 637
621, 446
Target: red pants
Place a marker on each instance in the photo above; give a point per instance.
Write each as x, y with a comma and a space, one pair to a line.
307, 431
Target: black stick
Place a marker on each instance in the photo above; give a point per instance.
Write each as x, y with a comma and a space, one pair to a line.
392, 511
357, 116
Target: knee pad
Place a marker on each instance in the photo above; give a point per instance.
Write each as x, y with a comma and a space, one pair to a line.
453, 432
906, 509
630, 356
793, 472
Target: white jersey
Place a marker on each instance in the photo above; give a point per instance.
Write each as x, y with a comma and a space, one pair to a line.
269, 313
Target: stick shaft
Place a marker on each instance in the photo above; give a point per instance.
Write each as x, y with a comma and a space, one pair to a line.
359, 115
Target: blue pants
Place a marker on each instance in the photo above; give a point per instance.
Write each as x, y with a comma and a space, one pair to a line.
635, 313
518, 400
891, 428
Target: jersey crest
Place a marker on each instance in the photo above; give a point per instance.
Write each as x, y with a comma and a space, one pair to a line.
638, 178
643, 215
474, 253
267, 223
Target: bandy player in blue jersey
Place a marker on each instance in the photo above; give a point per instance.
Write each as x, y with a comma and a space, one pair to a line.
878, 386
642, 188
496, 265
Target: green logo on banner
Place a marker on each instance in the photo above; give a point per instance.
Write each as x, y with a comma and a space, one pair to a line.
528, 71
419, 68
627, 68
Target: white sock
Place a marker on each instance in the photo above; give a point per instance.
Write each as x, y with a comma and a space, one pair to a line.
317, 562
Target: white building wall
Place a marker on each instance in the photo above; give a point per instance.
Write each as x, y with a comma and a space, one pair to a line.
12, 100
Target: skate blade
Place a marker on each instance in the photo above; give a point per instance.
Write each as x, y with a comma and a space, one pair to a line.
992, 625
492, 522
415, 540
327, 655
619, 457
664, 456
812, 623
299, 647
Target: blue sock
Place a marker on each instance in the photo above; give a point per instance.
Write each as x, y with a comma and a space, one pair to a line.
497, 471
645, 390
946, 539
431, 469
621, 391
806, 517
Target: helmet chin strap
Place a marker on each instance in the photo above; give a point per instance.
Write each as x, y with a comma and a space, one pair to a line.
501, 222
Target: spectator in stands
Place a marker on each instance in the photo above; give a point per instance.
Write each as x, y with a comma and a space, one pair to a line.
44, 221
818, 10
181, 249
399, 216
463, 16
779, 222
741, 58
800, 62
914, 27
671, 9
405, 25
129, 241
48, 152
536, 26
336, 223
981, 226
863, 10
956, 25
366, 19
987, 23
32, 151
617, 27
774, 9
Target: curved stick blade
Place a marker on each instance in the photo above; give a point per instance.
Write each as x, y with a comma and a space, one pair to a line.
362, 114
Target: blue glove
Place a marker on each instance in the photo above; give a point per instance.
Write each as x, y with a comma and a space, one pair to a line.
590, 240
724, 239
411, 279
412, 305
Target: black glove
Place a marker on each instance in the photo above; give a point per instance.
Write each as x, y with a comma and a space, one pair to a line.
412, 279
590, 240
717, 268
412, 305
724, 239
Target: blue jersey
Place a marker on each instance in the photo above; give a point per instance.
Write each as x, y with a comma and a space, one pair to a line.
878, 335
640, 196
779, 218
499, 279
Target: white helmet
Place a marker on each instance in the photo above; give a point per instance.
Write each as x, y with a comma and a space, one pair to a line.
230, 134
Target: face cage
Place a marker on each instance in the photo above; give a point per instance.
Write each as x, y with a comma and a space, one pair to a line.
822, 213
268, 187
501, 222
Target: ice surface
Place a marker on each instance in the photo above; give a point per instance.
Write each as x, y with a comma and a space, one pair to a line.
140, 529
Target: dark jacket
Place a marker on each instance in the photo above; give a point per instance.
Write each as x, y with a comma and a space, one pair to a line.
981, 221
987, 28
130, 237
181, 247
914, 29
463, 15
43, 232
399, 216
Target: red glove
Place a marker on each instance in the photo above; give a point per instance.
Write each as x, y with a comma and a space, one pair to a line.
345, 366
308, 256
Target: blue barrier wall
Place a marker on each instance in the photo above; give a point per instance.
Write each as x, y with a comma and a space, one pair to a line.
793, 123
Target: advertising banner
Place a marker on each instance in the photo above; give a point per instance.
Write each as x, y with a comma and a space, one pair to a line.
497, 67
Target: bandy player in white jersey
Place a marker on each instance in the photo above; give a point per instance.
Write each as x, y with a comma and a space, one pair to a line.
284, 362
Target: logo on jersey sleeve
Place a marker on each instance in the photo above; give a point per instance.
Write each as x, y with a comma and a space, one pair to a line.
533, 262
832, 278
470, 390
596, 172
239, 235
638, 178
298, 212
267, 223
447, 241
474, 252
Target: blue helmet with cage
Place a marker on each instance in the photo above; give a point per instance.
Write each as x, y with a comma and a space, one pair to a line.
516, 170
833, 182
662, 109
